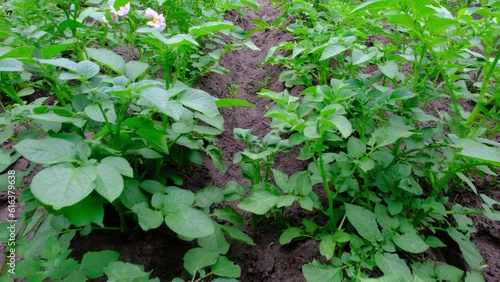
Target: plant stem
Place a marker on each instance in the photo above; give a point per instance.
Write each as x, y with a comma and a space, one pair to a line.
484, 87
326, 186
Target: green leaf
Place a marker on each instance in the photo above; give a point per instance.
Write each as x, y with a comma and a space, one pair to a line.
199, 100
118, 271
93, 263
134, 69
286, 201
468, 249
9, 65
383, 136
389, 69
231, 215
47, 151
154, 137
327, 246
402, 94
331, 51
87, 69
434, 242
389, 278
132, 194
410, 185
208, 196
411, 243
251, 3
107, 58
94, 113
281, 180
370, 5
19, 52
366, 164
7, 133
403, 20
190, 223
63, 186
383, 218
226, 268
474, 277
232, 103
259, 202
355, 147
342, 124
289, 234
51, 51
481, 152
148, 219
251, 46
216, 241
238, 234
363, 221
120, 164
94, 212
211, 28
109, 182
198, 258
391, 264
174, 41
316, 272
450, 273
61, 62
359, 57
306, 203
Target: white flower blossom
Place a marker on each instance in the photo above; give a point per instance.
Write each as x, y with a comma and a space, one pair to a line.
123, 11
105, 22
157, 20
113, 13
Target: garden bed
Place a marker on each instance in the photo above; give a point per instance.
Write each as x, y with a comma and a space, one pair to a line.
162, 252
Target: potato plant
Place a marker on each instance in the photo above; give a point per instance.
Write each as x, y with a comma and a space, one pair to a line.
384, 164
101, 98
118, 107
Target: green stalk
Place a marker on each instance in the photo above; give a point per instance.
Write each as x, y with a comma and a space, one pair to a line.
326, 185
166, 69
494, 131
482, 93
449, 174
452, 94
9, 90
418, 66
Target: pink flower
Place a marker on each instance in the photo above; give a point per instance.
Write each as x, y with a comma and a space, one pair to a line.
157, 20
123, 12
105, 22
113, 13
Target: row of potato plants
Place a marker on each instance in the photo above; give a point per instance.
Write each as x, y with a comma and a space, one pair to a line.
382, 163
102, 128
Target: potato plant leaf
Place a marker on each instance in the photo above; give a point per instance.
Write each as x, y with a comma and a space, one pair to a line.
289, 234
259, 202
211, 28
316, 272
364, 221
226, 268
198, 258
62, 186
93, 263
107, 58
190, 223
109, 182
391, 264
47, 151
411, 243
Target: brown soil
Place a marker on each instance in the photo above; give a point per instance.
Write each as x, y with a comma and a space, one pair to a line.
161, 251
